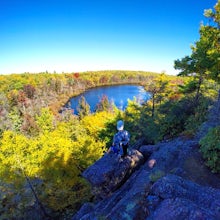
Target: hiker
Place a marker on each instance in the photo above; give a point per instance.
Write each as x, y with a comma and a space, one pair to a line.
120, 140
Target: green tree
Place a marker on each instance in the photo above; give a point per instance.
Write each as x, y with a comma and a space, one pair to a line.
104, 104
131, 117
16, 120
157, 88
213, 30
210, 148
4, 108
204, 62
83, 107
45, 120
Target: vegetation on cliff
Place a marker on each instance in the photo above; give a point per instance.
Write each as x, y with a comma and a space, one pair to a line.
44, 150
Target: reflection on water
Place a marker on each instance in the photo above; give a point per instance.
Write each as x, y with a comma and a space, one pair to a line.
119, 95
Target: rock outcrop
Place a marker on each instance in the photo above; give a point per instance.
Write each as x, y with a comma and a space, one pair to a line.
109, 173
164, 187
164, 181
173, 197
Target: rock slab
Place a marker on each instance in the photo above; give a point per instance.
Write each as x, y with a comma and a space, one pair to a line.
108, 173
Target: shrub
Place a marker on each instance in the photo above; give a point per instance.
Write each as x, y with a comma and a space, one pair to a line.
210, 148
198, 117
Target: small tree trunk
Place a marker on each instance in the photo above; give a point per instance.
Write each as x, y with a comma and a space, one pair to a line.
153, 107
198, 89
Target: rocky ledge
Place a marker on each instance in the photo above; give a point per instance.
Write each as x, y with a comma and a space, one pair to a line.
164, 181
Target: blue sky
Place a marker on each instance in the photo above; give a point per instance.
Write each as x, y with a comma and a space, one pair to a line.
89, 35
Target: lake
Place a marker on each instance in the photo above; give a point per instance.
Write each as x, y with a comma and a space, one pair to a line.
118, 94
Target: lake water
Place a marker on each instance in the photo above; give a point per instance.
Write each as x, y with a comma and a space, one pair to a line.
118, 94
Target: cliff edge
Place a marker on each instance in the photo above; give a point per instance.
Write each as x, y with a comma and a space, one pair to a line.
164, 181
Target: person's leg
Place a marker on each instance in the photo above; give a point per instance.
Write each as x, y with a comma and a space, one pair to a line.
125, 150
121, 151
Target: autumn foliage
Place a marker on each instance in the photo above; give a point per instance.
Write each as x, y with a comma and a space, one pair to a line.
44, 147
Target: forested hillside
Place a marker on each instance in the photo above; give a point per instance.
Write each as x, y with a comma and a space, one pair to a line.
43, 151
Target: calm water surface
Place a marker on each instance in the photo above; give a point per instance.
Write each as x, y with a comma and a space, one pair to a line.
118, 94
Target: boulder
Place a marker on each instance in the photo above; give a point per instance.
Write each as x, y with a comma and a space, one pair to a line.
127, 202
147, 150
84, 212
183, 199
108, 173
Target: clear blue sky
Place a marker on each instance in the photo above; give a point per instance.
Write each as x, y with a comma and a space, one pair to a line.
85, 35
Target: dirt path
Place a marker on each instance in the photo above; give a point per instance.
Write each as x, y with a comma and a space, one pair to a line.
198, 172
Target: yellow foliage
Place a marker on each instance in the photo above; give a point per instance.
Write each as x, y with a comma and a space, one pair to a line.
54, 157
97, 122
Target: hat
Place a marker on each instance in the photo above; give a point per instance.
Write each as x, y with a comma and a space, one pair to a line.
120, 125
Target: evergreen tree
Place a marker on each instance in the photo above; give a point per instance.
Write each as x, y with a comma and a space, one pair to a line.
157, 88
104, 104
204, 62
83, 108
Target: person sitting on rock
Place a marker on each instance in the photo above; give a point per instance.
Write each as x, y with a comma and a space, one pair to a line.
120, 140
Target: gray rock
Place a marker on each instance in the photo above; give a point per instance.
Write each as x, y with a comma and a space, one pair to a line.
147, 150
128, 202
136, 198
85, 209
108, 173
180, 209
183, 199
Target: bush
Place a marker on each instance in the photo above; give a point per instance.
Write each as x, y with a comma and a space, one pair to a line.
199, 115
174, 116
210, 148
